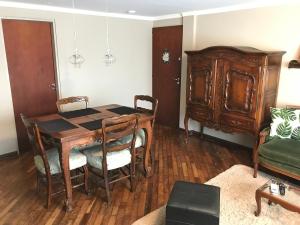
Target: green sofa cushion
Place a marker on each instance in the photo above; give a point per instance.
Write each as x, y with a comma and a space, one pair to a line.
282, 151
290, 169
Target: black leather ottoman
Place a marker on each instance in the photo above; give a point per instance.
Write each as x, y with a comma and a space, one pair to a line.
193, 204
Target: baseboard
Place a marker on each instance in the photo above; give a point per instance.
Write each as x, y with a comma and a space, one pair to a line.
210, 138
9, 155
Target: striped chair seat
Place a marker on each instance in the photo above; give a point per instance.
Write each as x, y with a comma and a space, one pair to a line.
76, 160
139, 140
114, 159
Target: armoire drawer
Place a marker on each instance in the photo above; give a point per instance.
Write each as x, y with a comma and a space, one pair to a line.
237, 122
196, 114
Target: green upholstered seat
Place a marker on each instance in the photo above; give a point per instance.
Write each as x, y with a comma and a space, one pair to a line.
114, 159
139, 140
76, 160
82, 148
282, 153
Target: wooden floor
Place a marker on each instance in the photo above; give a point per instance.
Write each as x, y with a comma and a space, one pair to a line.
197, 161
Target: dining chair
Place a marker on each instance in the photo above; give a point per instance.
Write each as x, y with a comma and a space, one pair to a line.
61, 103
74, 99
47, 162
114, 161
141, 137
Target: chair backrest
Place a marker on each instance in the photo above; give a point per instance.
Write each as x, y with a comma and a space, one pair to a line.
116, 128
149, 99
73, 99
27, 123
35, 139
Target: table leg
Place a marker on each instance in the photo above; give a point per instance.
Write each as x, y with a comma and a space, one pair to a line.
186, 127
201, 131
269, 202
149, 133
258, 202
64, 162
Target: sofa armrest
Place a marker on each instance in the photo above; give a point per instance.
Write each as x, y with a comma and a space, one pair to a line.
261, 139
263, 135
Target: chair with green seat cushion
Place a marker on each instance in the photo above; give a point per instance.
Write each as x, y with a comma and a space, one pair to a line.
82, 148
139, 141
47, 161
279, 152
115, 157
141, 102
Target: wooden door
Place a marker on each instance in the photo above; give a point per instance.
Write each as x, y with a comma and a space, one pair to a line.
31, 65
167, 52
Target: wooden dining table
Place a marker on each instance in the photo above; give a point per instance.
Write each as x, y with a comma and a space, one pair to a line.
80, 128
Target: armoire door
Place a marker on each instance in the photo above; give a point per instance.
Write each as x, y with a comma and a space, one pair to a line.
239, 94
201, 87
31, 66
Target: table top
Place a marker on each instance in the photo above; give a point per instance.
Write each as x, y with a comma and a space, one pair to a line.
292, 193
81, 123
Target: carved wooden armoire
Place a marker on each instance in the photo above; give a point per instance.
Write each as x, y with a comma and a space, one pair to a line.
232, 88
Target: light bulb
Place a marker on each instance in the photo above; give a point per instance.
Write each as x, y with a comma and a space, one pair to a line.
109, 58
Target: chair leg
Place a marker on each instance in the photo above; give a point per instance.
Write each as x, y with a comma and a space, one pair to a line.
106, 181
255, 169
86, 179
49, 190
152, 156
132, 176
37, 182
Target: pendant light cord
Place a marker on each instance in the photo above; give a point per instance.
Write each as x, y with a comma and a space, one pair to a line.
107, 34
107, 30
74, 27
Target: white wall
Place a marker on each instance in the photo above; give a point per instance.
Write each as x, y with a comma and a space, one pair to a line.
131, 43
270, 28
168, 22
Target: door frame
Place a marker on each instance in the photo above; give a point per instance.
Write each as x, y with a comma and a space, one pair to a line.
5, 64
54, 43
154, 71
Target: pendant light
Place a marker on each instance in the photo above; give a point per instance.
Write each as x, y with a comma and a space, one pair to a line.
76, 59
109, 58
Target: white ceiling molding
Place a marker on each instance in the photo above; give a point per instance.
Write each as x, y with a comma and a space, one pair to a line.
70, 10
170, 16
240, 7
148, 18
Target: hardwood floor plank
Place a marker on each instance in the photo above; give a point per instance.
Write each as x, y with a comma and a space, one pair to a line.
197, 161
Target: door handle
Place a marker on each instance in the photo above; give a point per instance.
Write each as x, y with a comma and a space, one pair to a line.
177, 80
52, 86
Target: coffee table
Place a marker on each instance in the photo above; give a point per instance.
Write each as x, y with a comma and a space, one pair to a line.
289, 201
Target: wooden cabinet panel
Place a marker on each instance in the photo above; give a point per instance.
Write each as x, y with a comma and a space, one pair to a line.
200, 114
239, 90
200, 83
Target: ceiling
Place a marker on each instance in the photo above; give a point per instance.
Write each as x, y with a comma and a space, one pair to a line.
151, 8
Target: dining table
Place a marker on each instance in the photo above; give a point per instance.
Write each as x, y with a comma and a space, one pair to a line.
80, 128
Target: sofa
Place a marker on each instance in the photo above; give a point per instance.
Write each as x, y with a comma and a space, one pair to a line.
278, 147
